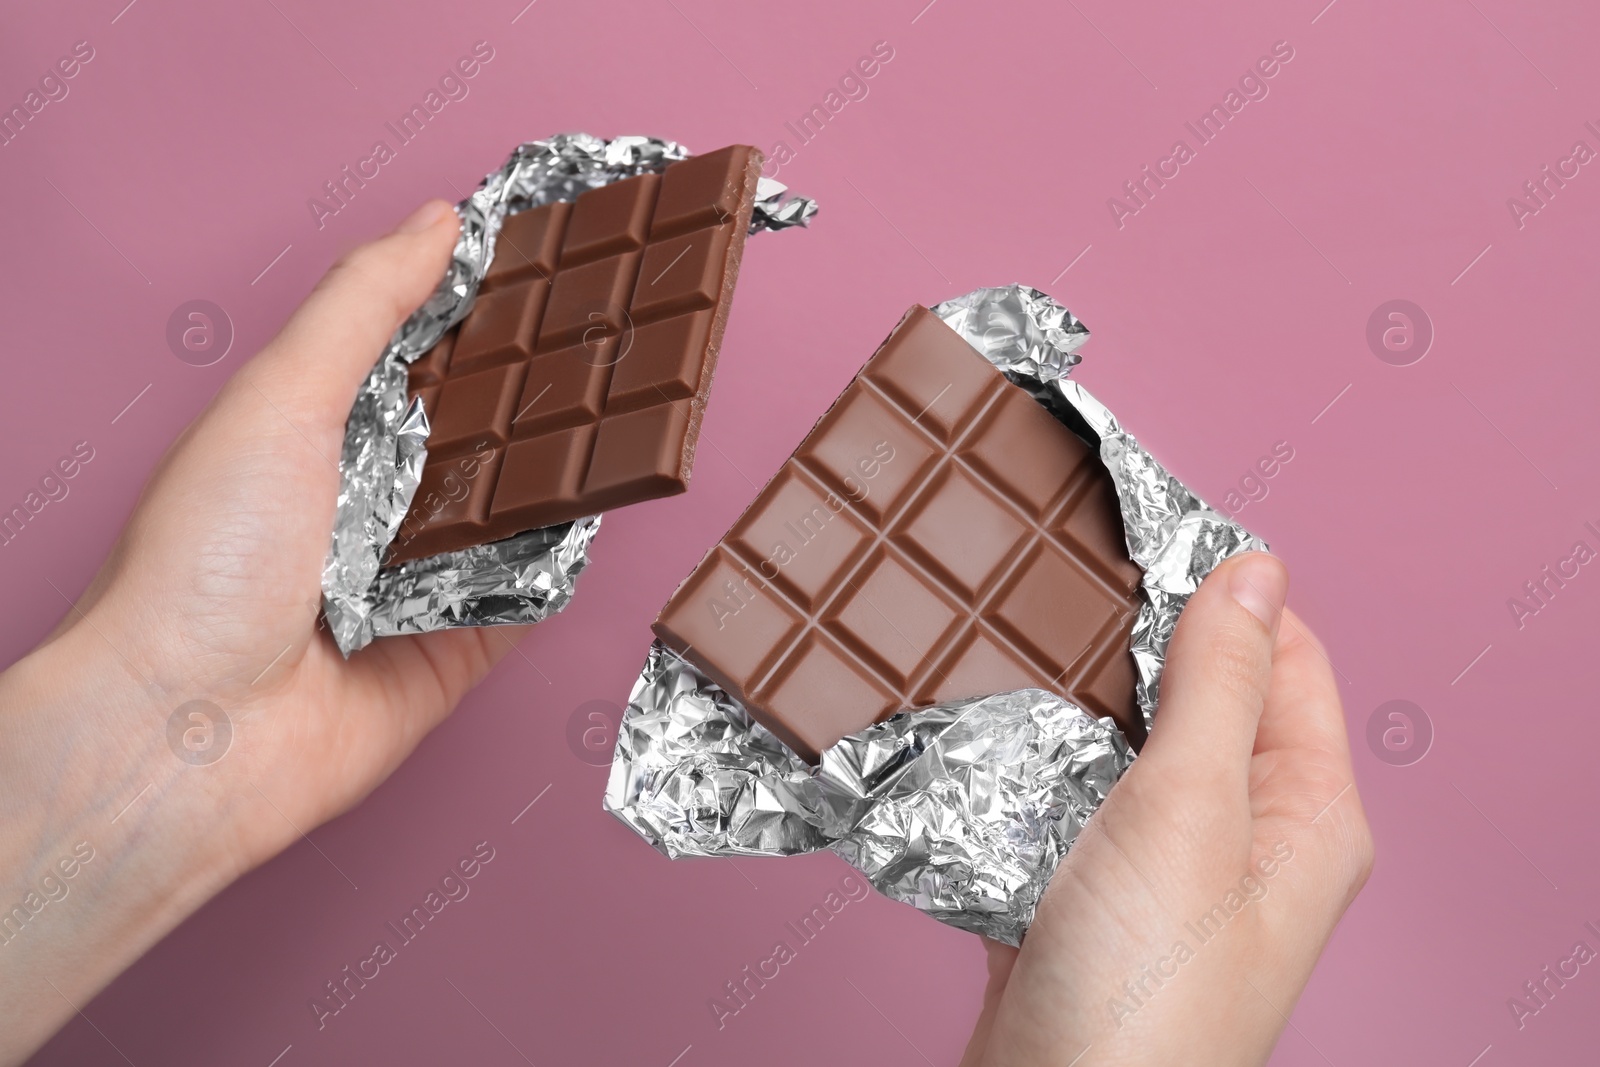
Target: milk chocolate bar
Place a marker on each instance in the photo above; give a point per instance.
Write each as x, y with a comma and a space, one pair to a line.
938, 535
577, 382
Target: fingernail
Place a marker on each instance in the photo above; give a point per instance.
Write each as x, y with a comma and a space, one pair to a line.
1260, 584
423, 217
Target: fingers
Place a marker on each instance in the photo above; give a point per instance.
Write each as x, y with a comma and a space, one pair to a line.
1303, 711
1218, 673
1002, 958
1311, 783
426, 675
315, 364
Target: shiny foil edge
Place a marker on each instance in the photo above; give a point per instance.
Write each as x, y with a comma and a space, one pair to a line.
522, 579
525, 578
963, 810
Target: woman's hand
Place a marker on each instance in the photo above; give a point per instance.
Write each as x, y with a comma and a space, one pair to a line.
212, 594
1186, 920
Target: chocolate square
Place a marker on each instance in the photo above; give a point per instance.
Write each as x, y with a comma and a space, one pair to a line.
528, 245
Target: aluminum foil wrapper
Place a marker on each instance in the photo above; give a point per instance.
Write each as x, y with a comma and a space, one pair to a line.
524, 578
963, 810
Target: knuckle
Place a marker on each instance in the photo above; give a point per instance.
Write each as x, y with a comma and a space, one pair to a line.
1359, 854
355, 268
362, 267
1344, 846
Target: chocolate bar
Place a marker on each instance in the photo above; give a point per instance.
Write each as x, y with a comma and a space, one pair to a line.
938, 535
577, 382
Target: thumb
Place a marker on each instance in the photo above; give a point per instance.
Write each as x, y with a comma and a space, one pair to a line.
312, 369
296, 392
1218, 669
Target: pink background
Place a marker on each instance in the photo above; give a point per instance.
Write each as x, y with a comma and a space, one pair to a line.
1228, 313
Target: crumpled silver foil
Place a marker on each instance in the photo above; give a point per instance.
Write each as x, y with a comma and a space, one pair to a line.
963, 810
524, 578
521, 579
970, 806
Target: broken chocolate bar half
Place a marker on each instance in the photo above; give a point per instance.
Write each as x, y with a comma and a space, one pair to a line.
938, 535
577, 382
